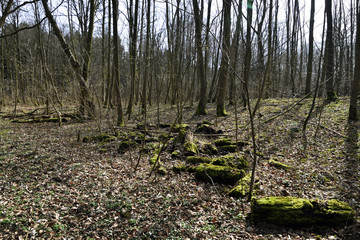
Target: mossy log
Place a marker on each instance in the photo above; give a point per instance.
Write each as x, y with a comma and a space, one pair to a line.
40, 120
220, 174
222, 142
231, 160
298, 212
278, 165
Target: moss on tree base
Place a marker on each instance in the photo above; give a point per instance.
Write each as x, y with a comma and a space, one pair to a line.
298, 212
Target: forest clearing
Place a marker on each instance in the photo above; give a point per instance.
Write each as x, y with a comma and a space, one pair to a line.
64, 182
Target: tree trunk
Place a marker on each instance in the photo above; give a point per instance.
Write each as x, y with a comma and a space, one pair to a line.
146, 56
80, 73
353, 115
329, 49
225, 60
311, 49
201, 108
247, 52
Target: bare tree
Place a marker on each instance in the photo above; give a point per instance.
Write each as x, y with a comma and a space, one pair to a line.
311, 49
81, 71
133, 25
116, 70
6, 12
225, 60
329, 53
353, 115
201, 108
247, 51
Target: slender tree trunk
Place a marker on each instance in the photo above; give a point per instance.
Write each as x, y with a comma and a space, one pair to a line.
329, 49
355, 86
116, 70
201, 108
235, 54
133, 29
146, 60
225, 60
268, 74
311, 49
247, 52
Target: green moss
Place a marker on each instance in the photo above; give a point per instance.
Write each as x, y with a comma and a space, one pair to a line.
221, 174
175, 154
181, 127
161, 170
190, 148
197, 159
229, 148
179, 168
220, 110
242, 187
205, 128
200, 111
153, 159
231, 160
222, 142
210, 149
297, 212
207, 122
103, 150
278, 165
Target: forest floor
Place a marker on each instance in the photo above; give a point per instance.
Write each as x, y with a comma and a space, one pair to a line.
53, 185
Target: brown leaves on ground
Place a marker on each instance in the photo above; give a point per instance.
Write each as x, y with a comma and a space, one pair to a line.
53, 186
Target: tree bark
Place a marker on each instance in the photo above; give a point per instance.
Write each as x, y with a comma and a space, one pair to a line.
329, 49
201, 108
86, 101
247, 52
353, 115
311, 49
225, 60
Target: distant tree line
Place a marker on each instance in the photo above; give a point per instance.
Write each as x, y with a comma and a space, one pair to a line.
174, 52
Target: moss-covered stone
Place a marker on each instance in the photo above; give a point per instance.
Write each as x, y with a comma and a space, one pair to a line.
179, 168
205, 128
210, 149
297, 212
221, 174
222, 142
278, 165
242, 187
175, 154
197, 159
190, 149
231, 160
228, 148
181, 127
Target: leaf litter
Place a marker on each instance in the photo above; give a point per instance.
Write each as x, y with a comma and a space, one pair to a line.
55, 187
